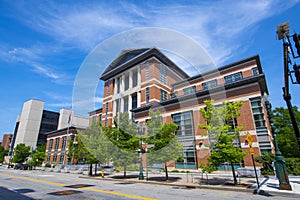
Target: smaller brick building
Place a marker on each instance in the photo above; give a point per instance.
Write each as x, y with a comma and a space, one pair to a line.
57, 145
6, 141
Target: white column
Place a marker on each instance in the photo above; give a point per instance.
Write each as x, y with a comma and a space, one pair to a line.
130, 79
139, 75
116, 86
122, 85
138, 99
114, 108
129, 104
122, 104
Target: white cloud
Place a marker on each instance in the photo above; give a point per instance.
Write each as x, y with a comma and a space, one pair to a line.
216, 25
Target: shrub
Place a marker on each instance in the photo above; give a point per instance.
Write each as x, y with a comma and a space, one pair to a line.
48, 165
293, 165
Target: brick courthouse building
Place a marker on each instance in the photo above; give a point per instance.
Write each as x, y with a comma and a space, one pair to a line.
140, 79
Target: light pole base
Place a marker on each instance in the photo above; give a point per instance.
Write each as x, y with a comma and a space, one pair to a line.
285, 186
141, 176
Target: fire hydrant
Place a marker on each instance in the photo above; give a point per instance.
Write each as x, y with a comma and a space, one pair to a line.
102, 173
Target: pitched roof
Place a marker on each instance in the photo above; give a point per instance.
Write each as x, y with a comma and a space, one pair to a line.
131, 57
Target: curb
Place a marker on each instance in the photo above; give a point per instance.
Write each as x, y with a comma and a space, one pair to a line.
193, 186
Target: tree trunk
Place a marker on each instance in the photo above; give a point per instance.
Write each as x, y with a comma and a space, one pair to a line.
124, 171
91, 170
166, 170
233, 173
95, 169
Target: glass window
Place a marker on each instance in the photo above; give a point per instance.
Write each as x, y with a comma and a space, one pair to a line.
62, 157
255, 71
125, 104
126, 81
163, 95
189, 90
147, 71
134, 100
64, 142
163, 74
147, 95
134, 78
106, 108
233, 77
174, 94
184, 122
56, 144
50, 144
209, 84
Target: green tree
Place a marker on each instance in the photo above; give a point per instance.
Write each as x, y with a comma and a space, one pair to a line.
97, 144
77, 150
125, 140
21, 152
3, 153
266, 160
222, 130
166, 146
286, 138
39, 156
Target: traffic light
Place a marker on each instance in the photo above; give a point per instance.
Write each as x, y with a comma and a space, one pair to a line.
296, 38
297, 72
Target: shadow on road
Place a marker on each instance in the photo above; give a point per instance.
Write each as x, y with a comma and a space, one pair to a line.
16, 194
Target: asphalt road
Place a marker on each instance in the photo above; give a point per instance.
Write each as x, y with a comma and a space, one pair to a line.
18, 184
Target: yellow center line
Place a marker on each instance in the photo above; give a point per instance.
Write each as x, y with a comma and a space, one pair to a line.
86, 189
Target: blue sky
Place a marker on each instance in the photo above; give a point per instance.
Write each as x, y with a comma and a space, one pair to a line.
44, 43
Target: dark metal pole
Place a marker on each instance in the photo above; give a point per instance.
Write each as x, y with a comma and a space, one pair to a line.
286, 94
255, 170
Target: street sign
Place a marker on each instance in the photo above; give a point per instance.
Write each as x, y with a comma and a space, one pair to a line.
251, 151
249, 139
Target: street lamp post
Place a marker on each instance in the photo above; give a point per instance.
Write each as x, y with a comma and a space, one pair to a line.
141, 175
280, 167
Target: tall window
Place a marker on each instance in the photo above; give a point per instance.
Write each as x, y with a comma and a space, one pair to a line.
233, 77
258, 114
134, 78
260, 124
209, 84
50, 145
100, 117
174, 94
163, 95
118, 84
106, 108
255, 71
147, 95
189, 90
125, 104
184, 122
64, 142
56, 144
163, 74
108, 87
54, 158
126, 81
147, 71
134, 100
61, 159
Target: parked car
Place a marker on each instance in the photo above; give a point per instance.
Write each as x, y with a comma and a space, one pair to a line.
108, 169
21, 166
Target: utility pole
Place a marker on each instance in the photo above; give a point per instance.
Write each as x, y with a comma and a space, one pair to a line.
283, 32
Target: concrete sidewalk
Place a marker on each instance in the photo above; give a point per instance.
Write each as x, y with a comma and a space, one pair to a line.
269, 186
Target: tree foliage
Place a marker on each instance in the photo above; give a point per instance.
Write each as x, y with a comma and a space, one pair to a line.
21, 152
166, 146
77, 151
3, 153
97, 144
125, 140
39, 155
286, 138
222, 134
